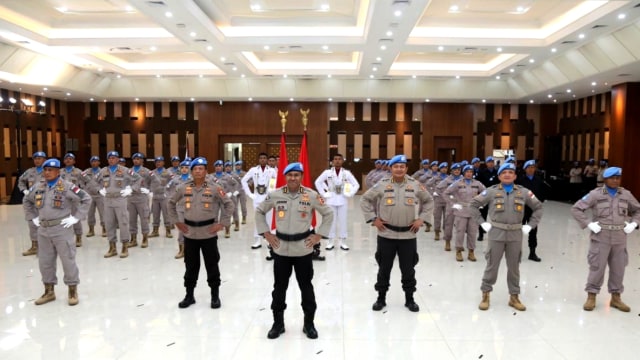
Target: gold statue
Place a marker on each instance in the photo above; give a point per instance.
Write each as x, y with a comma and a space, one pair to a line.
283, 118
305, 119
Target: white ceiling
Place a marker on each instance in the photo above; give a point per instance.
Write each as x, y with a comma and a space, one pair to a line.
313, 50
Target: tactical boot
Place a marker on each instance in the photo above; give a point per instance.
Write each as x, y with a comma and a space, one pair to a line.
33, 250
437, 236
447, 245
112, 250
380, 301
78, 240
215, 299
616, 302
309, 329
134, 241
73, 295
484, 304
278, 325
236, 226
145, 241
125, 250
515, 303
244, 220
409, 303
48, 295
590, 304
91, 233
427, 228
168, 230
154, 233
188, 299
533, 256
180, 253
227, 233
316, 253
104, 231
459, 254
472, 256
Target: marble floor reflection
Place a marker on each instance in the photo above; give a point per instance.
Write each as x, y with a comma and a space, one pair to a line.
128, 307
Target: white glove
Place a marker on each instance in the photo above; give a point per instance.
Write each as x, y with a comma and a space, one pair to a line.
150, 195
435, 194
252, 196
36, 221
126, 191
526, 229
236, 193
228, 195
594, 227
629, 227
486, 226
25, 192
145, 191
69, 221
103, 192
456, 206
327, 194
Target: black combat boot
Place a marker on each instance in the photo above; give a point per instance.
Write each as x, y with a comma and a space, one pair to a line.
410, 303
270, 256
309, 329
278, 325
215, 298
380, 302
533, 256
316, 253
188, 299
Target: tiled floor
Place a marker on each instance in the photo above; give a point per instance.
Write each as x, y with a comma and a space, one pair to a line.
128, 307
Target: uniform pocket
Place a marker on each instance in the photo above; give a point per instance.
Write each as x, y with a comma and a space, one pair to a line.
592, 257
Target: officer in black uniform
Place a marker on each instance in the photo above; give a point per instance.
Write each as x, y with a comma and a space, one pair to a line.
534, 182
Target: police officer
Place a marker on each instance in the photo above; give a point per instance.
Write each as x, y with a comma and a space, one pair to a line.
423, 170
229, 185
455, 175
194, 208
73, 175
237, 190
440, 204
263, 178
536, 184
184, 177
54, 206
159, 199
118, 183
370, 179
391, 206
175, 165
293, 244
459, 195
30, 177
242, 197
506, 202
337, 185
615, 213
475, 162
90, 179
138, 202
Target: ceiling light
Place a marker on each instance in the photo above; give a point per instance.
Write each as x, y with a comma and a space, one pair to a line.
209, 47
27, 102
118, 76
90, 99
330, 99
549, 96
371, 76
574, 96
512, 70
497, 77
266, 47
45, 89
413, 76
62, 9
325, 47
499, 49
284, 76
532, 60
426, 100
378, 58
457, 76
368, 99
100, 69
329, 75
593, 91
383, 47
484, 101
1, 99
243, 75
105, 100
137, 99
325, 7
128, 8
255, 7
168, 14
581, 36
454, 8
553, 50
153, 48
568, 90
290, 99
250, 99
389, 33
192, 34
158, 75
593, 83
440, 48
68, 94
222, 58
397, 13
531, 101
234, 68
193, 99
375, 68
200, 76
621, 16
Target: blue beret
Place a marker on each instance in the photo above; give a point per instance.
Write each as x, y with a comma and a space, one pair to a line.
467, 167
69, 155
612, 171
175, 158
188, 158
379, 161
464, 163
159, 158
113, 153
185, 163
529, 163
443, 165
123, 160
94, 158
296, 166
398, 159
434, 163
239, 162
424, 162
475, 160
53, 162
39, 154
506, 166
138, 155
198, 161
489, 158
576, 163
591, 161
384, 162
510, 159
455, 166
228, 163
218, 163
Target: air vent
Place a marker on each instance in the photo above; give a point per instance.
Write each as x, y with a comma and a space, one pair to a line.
598, 26
402, 2
200, 40
623, 75
295, 47
521, 65
568, 42
181, 26
25, 42
229, 64
156, 3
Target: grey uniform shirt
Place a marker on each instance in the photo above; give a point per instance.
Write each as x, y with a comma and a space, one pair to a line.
506, 210
56, 202
118, 180
203, 203
396, 204
461, 192
159, 186
29, 178
293, 212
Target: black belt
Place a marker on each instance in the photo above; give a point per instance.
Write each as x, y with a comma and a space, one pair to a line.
293, 237
398, 228
199, 223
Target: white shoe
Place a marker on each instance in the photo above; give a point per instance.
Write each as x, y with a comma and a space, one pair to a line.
330, 245
344, 246
257, 244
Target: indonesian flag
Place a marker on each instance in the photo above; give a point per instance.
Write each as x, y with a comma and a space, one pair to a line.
282, 163
306, 176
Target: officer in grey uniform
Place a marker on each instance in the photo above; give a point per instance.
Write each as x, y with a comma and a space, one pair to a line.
242, 197
369, 180
237, 189
293, 244
175, 165
440, 205
229, 185
615, 213
194, 208
90, 180
172, 185
54, 206
159, 200
506, 202
459, 195
73, 175
118, 183
138, 202
391, 206
423, 170
456, 169
30, 177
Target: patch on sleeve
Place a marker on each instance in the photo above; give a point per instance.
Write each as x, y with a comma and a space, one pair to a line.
532, 195
320, 199
221, 192
75, 189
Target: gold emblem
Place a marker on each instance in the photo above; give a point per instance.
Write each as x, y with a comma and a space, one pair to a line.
499, 206
187, 205
389, 201
519, 207
206, 205
410, 201
281, 214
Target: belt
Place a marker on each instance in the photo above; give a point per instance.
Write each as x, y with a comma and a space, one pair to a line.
199, 223
113, 195
506, 226
611, 227
50, 223
398, 228
293, 237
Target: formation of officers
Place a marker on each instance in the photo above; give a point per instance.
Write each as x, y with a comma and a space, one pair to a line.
462, 202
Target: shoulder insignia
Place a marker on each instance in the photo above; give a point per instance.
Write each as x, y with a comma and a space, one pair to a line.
221, 192
532, 195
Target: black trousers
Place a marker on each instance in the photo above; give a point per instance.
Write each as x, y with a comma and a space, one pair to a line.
407, 256
211, 255
533, 234
282, 267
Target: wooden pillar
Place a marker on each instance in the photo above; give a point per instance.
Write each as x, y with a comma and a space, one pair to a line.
624, 132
